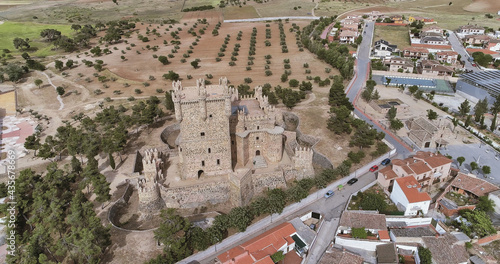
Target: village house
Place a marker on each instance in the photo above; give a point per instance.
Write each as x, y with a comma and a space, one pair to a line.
348, 36
424, 133
468, 185
387, 254
335, 255
283, 238
412, 234
397, 19
433, 39
432, 29
449, 57
425, 20
373, 15
446, 249
398, 64
433, 67
426, 167
416, 53
371, 221
406, 194
477, 40
471, 30
352, 27
494, 45
383, 48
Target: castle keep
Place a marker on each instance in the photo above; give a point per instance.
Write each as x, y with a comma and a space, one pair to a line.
229, 148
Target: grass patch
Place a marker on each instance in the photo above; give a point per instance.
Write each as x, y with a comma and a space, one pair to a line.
234, 12
11, 30
285, 8
396, 35
356, 200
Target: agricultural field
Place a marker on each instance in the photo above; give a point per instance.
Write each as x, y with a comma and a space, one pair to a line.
397, 35
133, 62
40, 48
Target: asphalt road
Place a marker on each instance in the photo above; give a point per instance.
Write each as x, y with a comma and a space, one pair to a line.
358, 83
458, 47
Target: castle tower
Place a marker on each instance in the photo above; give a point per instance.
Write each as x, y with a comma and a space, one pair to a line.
303, 162
150, 201
176, 98
204, 140
202, 98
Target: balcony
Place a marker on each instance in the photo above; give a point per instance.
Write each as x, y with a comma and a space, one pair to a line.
424, 179
437, 174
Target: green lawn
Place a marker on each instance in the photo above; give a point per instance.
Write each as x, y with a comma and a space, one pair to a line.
396, 35
11, 30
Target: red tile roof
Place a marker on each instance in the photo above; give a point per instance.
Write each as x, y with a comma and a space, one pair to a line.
259, 248
430, 46
473, 185
383, 234
485, 51
447, 53
412, 193
388, 173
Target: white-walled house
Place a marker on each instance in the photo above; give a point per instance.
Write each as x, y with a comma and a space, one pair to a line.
407, 196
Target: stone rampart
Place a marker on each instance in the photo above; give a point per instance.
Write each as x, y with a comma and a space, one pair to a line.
196, 195
271, 180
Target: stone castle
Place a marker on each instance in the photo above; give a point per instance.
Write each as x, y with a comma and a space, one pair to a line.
229, 149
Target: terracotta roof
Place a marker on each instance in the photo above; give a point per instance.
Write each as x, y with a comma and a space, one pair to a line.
383, 234
447, 53
348, 33
335, 255
357, 219
419, 167
431, 46
433, 159
471, 27
416, 49
266, 260
388, 173
473, 185
485, 51
260, 247
479, 37
412, 193
445, 250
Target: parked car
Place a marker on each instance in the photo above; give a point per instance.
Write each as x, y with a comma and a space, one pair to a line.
386, 162
352, 181
329, 194
374, 168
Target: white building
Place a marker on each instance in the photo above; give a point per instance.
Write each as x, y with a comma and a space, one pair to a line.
495, 197
408, 198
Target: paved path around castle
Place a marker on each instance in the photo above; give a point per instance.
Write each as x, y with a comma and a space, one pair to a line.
58, 96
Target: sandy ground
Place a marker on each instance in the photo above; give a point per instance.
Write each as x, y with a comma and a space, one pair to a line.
489, 6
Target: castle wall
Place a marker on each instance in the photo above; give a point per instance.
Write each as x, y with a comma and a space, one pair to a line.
269, 180
196, 195
205, 144
150, 201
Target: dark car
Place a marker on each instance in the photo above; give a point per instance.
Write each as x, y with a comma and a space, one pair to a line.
374, 168
329, 194
386, 162
352, 181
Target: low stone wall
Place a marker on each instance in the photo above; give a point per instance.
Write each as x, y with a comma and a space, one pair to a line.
196, 195
271, 180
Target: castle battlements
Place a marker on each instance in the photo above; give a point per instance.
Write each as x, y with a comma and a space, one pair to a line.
304, 153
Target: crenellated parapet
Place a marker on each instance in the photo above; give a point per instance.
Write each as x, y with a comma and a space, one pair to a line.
152, 164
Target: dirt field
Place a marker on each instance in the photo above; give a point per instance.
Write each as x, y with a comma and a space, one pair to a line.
488, 6
137, 68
